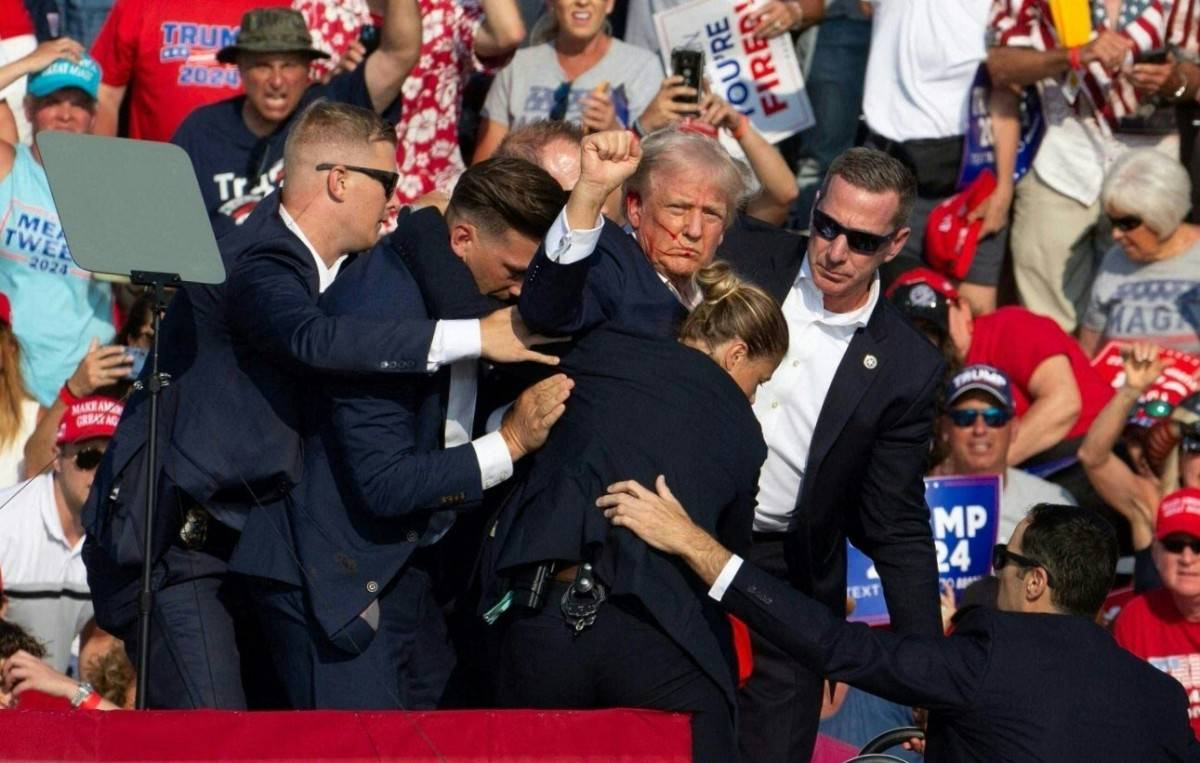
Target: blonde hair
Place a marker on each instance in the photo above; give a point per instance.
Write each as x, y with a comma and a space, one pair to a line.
12, 386
733, 309
330, 123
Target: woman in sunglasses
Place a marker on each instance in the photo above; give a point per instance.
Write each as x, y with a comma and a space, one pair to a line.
1154, 434
1148, 286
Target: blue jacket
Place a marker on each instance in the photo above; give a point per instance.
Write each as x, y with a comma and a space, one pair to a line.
377, 484
1004, 687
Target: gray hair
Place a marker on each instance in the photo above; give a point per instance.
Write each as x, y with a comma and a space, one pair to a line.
873, 170
671, 149
1150, 185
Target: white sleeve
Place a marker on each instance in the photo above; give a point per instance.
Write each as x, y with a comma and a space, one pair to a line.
453, 341
728, 573
495, 463
566, 246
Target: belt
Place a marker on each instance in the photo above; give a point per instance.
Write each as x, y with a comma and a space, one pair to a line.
566, 574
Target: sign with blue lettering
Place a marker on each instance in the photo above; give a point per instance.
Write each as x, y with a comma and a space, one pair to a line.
979, 149
964, 514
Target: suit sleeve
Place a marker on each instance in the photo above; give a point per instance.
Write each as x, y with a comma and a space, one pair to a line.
373, 433
559, 300
892, 523
270, 307
915, 670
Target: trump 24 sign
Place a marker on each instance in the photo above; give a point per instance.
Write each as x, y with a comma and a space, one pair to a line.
963, 513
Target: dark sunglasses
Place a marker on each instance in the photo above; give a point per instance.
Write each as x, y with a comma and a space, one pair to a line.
1190, 444
386, 179
88, 459
562, 99
859, 241
966, 417
1176, 544
1001, 556
1125, 224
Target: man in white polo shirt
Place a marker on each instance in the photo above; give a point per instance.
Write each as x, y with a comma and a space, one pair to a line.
41, 534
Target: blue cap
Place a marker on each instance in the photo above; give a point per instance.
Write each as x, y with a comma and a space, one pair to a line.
981, 378
64, 73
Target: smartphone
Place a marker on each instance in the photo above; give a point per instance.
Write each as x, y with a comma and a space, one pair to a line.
369, 37
1156, 56
689, 64
139, 360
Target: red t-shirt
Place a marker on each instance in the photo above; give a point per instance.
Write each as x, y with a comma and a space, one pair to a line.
1016, 341
1151, 627
14, 19
165, 51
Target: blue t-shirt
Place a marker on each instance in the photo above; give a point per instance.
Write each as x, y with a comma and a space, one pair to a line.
237, 168
57, 308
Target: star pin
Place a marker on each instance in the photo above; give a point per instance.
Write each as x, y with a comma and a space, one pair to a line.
869, 362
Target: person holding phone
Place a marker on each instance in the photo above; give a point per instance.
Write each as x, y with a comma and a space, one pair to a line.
577, 71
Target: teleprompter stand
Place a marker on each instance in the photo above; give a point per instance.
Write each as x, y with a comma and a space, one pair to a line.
133, 208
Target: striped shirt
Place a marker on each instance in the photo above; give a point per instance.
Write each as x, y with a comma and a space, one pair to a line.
44, 577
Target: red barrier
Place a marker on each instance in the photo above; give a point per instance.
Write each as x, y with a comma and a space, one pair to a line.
345, 737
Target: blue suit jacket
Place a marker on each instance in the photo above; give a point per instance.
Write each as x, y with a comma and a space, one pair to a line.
239, 356
377, 484
640, 407
1004, 687
616, 286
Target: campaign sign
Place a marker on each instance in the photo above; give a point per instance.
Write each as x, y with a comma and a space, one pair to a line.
979, 147
1176, 382
759, 78
964, 513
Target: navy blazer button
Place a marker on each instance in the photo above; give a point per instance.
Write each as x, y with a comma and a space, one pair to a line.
412, 536
372, 586
383, 364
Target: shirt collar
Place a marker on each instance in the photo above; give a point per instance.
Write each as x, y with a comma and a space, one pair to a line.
325, 275
813, 301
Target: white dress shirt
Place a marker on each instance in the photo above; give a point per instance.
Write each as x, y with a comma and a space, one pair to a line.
457, 343
789, 404
728, 573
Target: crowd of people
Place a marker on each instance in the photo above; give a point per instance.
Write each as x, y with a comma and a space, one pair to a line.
540, 377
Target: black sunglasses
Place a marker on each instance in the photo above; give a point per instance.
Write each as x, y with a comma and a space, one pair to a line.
562, 99
386, 179
1002, 556
859, 241
1190, 444
966, 417
88, 459
1176, 544
1125, 224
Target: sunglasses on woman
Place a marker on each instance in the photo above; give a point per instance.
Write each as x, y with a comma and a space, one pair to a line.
88, 459
859, 241
1126, 223
994, 417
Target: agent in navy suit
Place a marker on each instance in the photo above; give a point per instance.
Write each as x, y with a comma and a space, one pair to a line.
645, 406
229, 423
848, 416
1036, 680
348, 604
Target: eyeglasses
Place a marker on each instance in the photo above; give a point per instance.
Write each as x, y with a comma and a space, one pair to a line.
386, 179
1176, 544
1001, 556
966, 417
88, 459
562, 99
1125, 224
859, 241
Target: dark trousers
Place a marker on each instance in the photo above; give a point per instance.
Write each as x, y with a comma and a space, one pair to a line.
780, 706
405, 662
623, 660
198, 634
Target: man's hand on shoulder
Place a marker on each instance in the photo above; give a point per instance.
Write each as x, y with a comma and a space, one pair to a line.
527, 424
504, 338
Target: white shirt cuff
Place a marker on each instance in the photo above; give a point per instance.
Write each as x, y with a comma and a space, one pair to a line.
566, 246
453, 341
495, 463
728, 573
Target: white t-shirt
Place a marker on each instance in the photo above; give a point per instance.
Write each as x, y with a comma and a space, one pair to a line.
44, 578
1022, 491
924, 57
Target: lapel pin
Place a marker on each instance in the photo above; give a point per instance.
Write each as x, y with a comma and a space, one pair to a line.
869, 362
